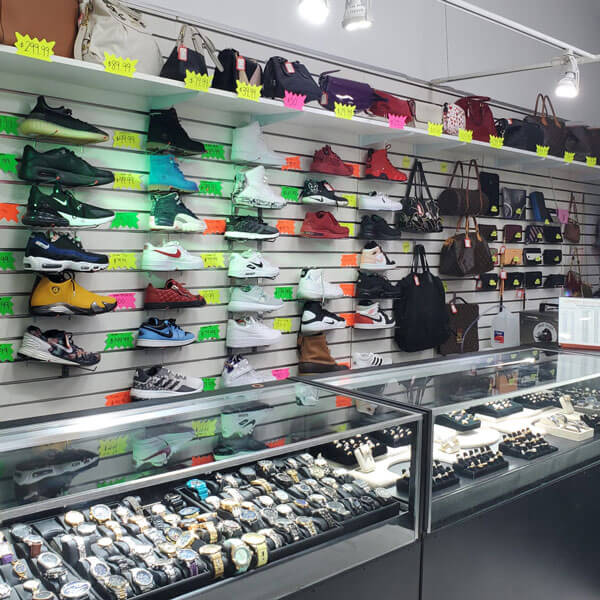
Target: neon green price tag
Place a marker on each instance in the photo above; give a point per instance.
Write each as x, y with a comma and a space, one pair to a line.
117, 65
6, 353
445, 286
9, 125
197, 81
284, 293
340, 428
205, 427
127, 220
8, 163
344, 111
113, 446
127, 181
127, 139
209, 384
291, 194
6, 305
7, 261
214, 151
116, 341
121, 260
33, 47
211, 296
210, 188
213, 260
248, 91
209, 332
283, 324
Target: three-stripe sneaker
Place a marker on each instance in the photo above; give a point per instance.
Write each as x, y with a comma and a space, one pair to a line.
169, 213
251, 264
362, 360
159, 382
171, 256
156, 333
316, 319
369, 316
249, 228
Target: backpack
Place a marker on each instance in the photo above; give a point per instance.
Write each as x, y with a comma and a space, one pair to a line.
236, 67
281, 75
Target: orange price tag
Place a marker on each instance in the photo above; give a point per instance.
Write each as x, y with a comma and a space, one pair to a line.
349, 317
355, 169
202, 460
118, 398
286, 226
291, 163
349, 260
215, 226
9, 211
349, 289
276, 443
346, 363
343, 401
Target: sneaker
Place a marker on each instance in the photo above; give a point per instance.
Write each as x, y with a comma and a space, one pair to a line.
373, 258
173, 295
159, 382
228, 448
368, 316
156, 333
377, 201
248, 146
171, 256
320, 192
157, 450
61, 165
238, 371
373, 227
167, 176
252, 298
362, 360
60, 208
62, 295
59, 125
169, 213
55, 346
316, 319
249, 228
373, 286
313, 286
323, 225
251, 188
165, 134
326, 160
380, 167
58, 252
248, 332
251, 264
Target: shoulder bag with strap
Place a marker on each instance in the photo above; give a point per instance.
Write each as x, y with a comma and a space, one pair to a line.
460, 200
555, 132
572, 231
464, 333
574, 284
419, 213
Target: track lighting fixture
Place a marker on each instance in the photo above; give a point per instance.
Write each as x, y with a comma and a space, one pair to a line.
568, 85
357, 15
314, 11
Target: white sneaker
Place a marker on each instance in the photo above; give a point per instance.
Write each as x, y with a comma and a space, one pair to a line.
377, 201
238, 371
316, 319
171, 256
361, 360
159, 382
249, 146
373, 258
368, 316
252, 189
252, 298
248, 332
312, 286
251, 264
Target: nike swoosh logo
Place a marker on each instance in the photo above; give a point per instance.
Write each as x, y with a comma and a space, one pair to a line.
63, 202
377, 319
176, 255
259, 265
42, 245
159, 331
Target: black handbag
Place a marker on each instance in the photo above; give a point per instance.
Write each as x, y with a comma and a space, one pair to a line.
513, 203
418, 214
280, 76
579, 141
460, 201
552, 234
487, 282
552, 257
490, 186
236, 68
532, 256
533, 279
464, 332
518, 133
465, 253
489, 232
554, 281
420, 309
513, 281
554, 129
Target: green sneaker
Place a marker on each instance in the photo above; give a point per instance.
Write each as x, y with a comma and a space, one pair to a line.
169, 213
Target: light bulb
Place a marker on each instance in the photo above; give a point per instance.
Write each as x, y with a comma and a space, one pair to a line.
314, 11
357, 15
568, 84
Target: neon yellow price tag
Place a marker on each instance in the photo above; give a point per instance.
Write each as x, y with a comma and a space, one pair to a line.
344, 111
406, 162
465, 135
248, 91
121, 260
569, 157
213, 260
444, 167
445, 286
211, 296
113, 446
351, 228
127, 139
496, 142
351, 200
542, 150
117, 65
283, 325
406, 246
591, 161
205, 427
34, 48
127, 181
197, 81
434, 129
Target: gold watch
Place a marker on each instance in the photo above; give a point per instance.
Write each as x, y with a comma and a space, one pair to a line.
169, 549
140, 521
262, 483
258, 543
308, 524
213, 553
74, 518
231, 506
212, 531
116, 528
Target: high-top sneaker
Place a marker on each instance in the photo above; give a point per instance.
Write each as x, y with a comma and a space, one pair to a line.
380, 167
165, 176
249, 147
169, 213
238, 371
373, 286
326, 160
374, 227
320, 192
315, 356
373, 258
316, 319
322, 224
368, 316
165, 134
313, 286
252, 189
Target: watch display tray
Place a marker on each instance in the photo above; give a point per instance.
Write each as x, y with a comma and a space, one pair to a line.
510, 451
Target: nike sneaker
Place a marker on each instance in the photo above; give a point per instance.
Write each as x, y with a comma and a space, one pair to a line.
320, 192
60, 208
252, 298
60, 165
316, 319
373, 286
166, 176
60, 294
58, 252
159, 382
156, 333
369, 316
373, 227
55, 346
238, 371
169, 213
251, 188
327, 161
173, 295
247, 332
322, 224
249, 228
373, 258
158, 450
313, 286
165, 134
251, 264
362, 360
58, 124
376, 201
171, 256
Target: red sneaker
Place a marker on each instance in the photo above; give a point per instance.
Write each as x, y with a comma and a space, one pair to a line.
322, 224
326, 160
380, 167
173, 295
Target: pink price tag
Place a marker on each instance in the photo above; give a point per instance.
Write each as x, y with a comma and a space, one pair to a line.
240, 63
280, 373
417, 282
467, 242
295, 101
124, 301
453, 308
182, 53
396, 121
503, 275
289, 67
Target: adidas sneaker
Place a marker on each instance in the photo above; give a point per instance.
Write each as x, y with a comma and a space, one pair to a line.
159, 382
250, 264
316, 319
362, 360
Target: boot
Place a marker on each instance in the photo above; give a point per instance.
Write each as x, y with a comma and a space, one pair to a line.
326, 160
237, 430
380, 167
315, 356
323, 225
165, 133
166, 176
249, 146
251, 189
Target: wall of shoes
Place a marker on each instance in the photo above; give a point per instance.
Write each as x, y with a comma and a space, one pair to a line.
140, 259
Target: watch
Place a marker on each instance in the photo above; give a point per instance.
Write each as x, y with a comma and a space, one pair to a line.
75, 590
174, 500
167, 568
154, 535
282, 496
107, 545
323, 513
20, 531
198, 487
42, 595
142, 550
212, 531
271, 534
248, 473
186, 539
383, 495
229, 528
158, 509
234, 493
34, 542
258, 543
123, 513
308, 524
86, 529
190, 558
188, 512
7, 554
173, 533
171, 519
265, 501
289, 527
249, 518
263, 484
5, 591
338, 509
369, 503
74, 518
49, 560
31, 585
99, 569
99, 513
134, 503
239, 554
213, 501
140, 521
285, 510
57, 574
317, 500
284, 480
169, 549
231, 506
143, 579
213, 553
114, 527
117, 584
301, 504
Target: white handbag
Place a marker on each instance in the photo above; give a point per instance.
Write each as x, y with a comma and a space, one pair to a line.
454, 119
426, 112
109, 26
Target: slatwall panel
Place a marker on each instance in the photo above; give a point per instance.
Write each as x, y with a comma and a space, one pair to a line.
34, 389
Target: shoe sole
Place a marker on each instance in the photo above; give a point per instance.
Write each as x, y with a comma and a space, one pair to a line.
374, 237
323, 200
323, 236
374, 325
376, 295
33, 347
378, 208
153, 394
309, 367
170, 149
163, 305
321, 170
240, 235
49, 265
81, 222
68, 309
256, 203
377, 267
180, 224
163, 343
162, 187
250, 342
384, 177
319, 327
44, 220
36, 128
164, 266
42, 174
253, 275
256, 160
239, 306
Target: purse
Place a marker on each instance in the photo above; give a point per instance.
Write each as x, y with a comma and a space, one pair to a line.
479, 117
534, 234
464, 332
459, 201
533, 279
511, 256
453, 119
574, 284
490, 186
554, 130
465, 253
513, 281
554, 281
425, 113
513, 203
236, 68
552, 234
512, 234
110, 26
552, 257
578, 140
385, 104
280, 76
538, 207
487, 282
572, 232
489, 232
532, 256
345, 91
518, 133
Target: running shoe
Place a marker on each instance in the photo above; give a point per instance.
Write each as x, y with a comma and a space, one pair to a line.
252, 298
160, 382
248, 332
251, 264
369, 316
249, 228
156, 333
171, 256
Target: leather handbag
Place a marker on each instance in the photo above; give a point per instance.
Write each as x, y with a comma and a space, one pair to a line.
345, 91
572, 232
460, 201
514, 280
534, 234
110, 26
578, 140
453, 119
281, 75
464, 332
554, 129
552, 257
236, 68
52, 20
480, 119
533, 279
490, 186
539, 210
511, 256
466, 253
554, 281
532, 256
489, 232
512, 234
385, 104
574, 284
552, 234
487, 282
513, 203
518, 133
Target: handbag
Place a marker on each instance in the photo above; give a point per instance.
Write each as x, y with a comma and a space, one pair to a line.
574, 284
465, 253
554, 130
480, 119
513, 280
420, 309
538, 208
345, 91
236, 68
532, 256
572, 232
552, 234
552, 257
52, 20
385, 104
464, 332
487, 282
534, 234
459, 201
513, 203
490, 186
578, 140
425, 113
110, 26
533, 279
280, 76
489, 232
453, 119
511, 256
554, 281
512, 234
519, 133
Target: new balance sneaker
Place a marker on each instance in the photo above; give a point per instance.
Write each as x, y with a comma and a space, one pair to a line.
165, 134
156, 333
252, 298
251, 264
58, 252
379, 166
166, 176
249, 228
251, 188
173, 295
238, 371
373, 286
248, 146
373, 227
160, 382
248, 332
369, 316
362, 360
322, 224
171, 256
55, 346
169, 213
377, 201
320, 192
60, 165
61, 295
316, 319
326, 160
313, 286
373, 258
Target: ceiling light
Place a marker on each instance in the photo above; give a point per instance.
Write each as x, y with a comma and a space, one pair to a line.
568, 85
357, 15
314, 11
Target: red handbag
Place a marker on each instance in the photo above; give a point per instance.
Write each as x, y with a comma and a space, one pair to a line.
386, 104
480, 119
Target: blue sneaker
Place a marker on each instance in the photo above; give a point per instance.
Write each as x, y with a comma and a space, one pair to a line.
156, 333
166, 176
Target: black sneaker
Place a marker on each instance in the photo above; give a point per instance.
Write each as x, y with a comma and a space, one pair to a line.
62, 209
374, 227
250, 228
226, 448
316, 319
62, 165
374, 286
320, 192
165, 134
58, 124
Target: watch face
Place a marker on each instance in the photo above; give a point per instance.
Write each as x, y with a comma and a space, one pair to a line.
31, 585
269, 514
104, 542
172, 519
33, 539
116, 582
100, 570
86, 529
143, 578
265, 500
43, 595
74, 518
284, 509
173, 533
49, 560
143, 549
75, 589
248, 515
253, 538
301, 503
213, 501
100, 512
20, 531
241, 556
210, 549
281, 496
318, 499
185, 539
337, 506
188, 511
187, 554
122, 512
159, 509
167, 548
305, 489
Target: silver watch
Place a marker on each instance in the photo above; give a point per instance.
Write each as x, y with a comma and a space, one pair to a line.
143, 579
75, 590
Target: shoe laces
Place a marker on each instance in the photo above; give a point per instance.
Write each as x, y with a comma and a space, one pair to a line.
172, 323
176, 166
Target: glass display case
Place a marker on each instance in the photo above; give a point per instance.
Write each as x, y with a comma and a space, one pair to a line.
498, 424
262, 491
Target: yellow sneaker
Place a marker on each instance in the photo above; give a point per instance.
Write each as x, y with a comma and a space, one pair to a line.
61, 295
